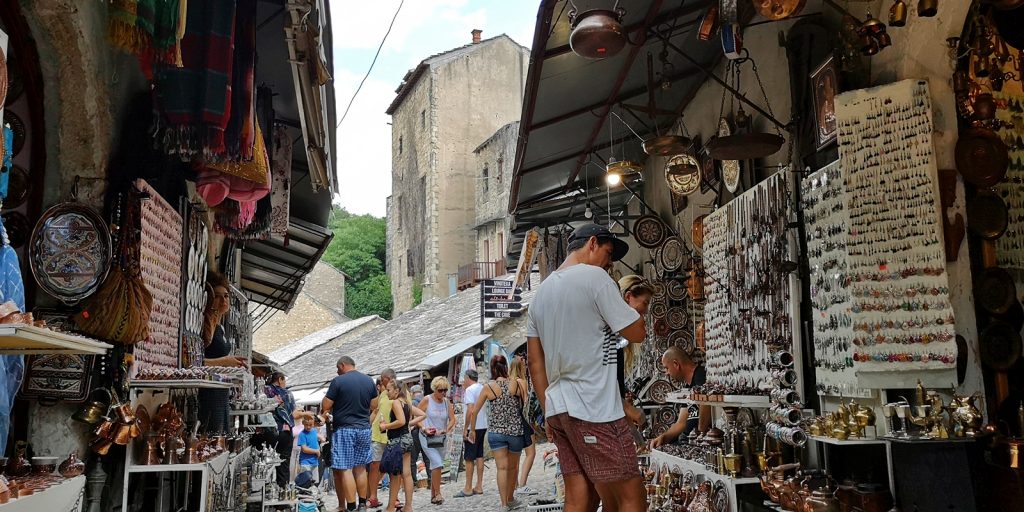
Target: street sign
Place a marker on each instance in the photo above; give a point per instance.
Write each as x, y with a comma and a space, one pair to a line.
503, 314
503, 298
491, 290
502, 305
498, 282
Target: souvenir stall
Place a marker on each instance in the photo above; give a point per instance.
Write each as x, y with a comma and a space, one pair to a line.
803, 230
106, 306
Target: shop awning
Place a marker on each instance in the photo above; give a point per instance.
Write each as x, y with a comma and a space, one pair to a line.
568, 127
273, 270
441, 356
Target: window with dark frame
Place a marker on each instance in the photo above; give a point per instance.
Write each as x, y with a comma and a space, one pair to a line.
485, 177
423, 118
399, 145
501, 167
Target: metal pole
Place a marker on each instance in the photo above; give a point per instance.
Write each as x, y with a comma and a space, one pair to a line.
482, 308
739, 95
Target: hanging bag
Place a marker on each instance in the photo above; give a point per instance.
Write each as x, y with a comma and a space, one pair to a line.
120, 310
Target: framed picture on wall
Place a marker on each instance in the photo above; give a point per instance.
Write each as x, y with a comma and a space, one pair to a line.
824, 87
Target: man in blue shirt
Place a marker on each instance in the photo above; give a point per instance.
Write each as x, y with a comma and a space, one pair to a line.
350, 398
309, 449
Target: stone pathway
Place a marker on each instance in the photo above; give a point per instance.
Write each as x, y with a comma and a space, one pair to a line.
542, 479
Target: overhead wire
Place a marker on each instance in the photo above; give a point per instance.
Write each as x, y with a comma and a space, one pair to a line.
372, 63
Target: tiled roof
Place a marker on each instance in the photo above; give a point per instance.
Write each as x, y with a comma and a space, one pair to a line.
318, 338
403, 342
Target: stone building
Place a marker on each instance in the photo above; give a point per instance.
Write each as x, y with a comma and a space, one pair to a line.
320, 304
494, 161
444, 108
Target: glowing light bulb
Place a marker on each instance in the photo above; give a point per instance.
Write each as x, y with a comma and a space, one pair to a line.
613, 178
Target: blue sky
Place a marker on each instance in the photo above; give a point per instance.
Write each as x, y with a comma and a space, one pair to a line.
423, 28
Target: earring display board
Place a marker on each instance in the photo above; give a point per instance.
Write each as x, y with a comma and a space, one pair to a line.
193, 301
748, 310
823, 198
238, 324
161, 250
1010, 246
901, 313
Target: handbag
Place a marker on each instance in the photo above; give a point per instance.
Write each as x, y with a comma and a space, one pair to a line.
391, 459
436, 441
120, 310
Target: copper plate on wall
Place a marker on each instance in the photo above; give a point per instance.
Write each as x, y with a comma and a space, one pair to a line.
672, 254
676, 317
658, 309
682, 339
659, 390
675, 290
649, 231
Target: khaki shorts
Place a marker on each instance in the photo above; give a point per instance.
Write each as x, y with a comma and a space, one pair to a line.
603, 452
377, 450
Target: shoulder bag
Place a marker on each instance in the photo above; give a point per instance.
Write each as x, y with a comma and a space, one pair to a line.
437, 440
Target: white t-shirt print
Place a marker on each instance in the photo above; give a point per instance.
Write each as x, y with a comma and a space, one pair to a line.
570, 314
470, 397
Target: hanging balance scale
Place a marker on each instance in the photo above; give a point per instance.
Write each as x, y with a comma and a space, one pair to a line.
744, 144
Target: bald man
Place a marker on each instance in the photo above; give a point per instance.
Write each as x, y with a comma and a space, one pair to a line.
684, 369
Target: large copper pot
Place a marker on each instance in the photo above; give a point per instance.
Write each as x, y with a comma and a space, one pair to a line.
597, 33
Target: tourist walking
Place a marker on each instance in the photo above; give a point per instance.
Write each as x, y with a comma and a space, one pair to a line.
440, 422
517, 372
379, 439
396, 426
417, 449
285, 415
350, 398
573, 369
505, 425
473, 450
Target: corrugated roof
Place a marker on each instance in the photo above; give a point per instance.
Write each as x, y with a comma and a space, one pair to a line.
403, 343
318, 338
413, 76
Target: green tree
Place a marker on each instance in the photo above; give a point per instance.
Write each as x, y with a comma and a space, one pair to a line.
369, 297
359, 249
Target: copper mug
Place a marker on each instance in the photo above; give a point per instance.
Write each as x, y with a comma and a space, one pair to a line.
927, 8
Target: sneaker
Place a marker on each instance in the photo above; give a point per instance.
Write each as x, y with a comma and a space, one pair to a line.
516, 505
526, 491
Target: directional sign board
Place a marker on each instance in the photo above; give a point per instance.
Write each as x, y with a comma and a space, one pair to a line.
506, 291
503, 314
503, 305
516, 297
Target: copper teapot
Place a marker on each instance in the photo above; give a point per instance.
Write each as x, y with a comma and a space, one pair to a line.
822, 499
966, 416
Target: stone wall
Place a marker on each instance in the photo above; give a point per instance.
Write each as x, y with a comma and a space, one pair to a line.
918, 51
320, 304
461, 99
497, 155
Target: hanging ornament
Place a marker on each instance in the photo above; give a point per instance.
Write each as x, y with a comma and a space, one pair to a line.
682, 174
779, 9
730, 168
597, 33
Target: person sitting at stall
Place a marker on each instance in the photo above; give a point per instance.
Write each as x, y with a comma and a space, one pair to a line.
213, 403
681, 367
309, 450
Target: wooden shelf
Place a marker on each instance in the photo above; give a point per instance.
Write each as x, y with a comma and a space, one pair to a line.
27, 339
847, 442
179, 384
659, 457
752, 401
216, 462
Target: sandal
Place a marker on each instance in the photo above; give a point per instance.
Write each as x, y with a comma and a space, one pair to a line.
462, 494
437, 500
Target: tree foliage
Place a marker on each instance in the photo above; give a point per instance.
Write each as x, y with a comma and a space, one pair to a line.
359, 249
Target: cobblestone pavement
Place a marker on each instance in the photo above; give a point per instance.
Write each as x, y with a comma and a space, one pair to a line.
541, 479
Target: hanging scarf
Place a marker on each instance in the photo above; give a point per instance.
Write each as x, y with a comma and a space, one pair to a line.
194, 101
285, 409
281, 175
121, 28
12, 368
241, 131
147, 28
5, 172
165, 31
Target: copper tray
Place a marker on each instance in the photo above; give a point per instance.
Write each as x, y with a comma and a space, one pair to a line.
672, 254
675, 290
666, 145
682, 339
994, 290
659, 390
660, 289
981, 157
658, 309
676, 317
70, 251
661, 328
987, 215
649, 231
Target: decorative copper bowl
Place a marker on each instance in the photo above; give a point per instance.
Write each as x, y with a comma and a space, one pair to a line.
44, 465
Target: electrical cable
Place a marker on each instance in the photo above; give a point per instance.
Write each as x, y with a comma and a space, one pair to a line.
367, 75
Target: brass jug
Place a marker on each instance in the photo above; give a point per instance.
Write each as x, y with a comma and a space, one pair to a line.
92, 412
898, 14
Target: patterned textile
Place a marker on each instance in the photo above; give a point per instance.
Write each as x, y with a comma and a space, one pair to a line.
280, 188
195, 99
5, 172
350, 447
241, 131
147, 28
12, 369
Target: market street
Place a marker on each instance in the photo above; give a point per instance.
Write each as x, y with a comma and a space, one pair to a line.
542, 479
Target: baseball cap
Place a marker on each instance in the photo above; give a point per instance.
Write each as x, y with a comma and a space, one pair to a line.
586, 231
472, 374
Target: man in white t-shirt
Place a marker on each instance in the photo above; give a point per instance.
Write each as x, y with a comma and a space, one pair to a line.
474, 451
573, 369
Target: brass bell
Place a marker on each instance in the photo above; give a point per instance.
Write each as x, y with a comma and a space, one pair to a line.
92, 412
927, 8
898, 14
871, 25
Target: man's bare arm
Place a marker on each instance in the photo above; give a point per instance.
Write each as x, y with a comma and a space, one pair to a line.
538, 373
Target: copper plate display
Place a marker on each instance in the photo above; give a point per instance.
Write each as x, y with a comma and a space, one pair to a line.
660, 289
683, 174
675, 290
658, 309
672, 254
70, 251
682, 339
18, 127
981, 157
994, 290
720, 498
779, 9
649, 231
660, 344
18, 187
666, 415
661, 328
676, 317
987, 215
659, 390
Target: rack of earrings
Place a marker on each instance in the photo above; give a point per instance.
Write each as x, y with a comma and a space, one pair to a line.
1010, 246
160, 258
901, 314
193, 300
823, 202
747, 265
